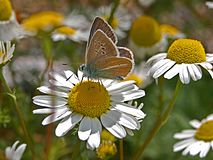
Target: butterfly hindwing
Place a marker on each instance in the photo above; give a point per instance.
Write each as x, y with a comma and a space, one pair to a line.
101, 24
100, 46
114, 67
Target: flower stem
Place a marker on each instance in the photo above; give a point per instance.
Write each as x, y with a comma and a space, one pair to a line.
121, 147
76, 150
159, 122
18, 111
116, 4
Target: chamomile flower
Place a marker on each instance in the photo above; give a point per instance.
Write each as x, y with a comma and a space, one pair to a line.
209, 5
9, 27
13, 153
90, 103
43, 21
65, 32
146, 3
146, 37
140, 75
121, 21
198, 140
184, 57
6, 52
171, 31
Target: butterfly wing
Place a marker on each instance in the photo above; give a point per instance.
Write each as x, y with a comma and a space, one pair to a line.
100, 47
101, 24
114, 67
125, 52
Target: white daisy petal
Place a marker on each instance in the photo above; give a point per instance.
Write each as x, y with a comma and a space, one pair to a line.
195, 148
84, 128
67, 124
71, 77
206, 65
19, 151
185, 134
210, 117
120, 85
157, 65
161, 70
184, 74
195, 123
47, 90
58, 115
43, 111
192, 72
47, 101
197, 71
172, 72
63, 81
182, 144
112, 126
94, 139
126, 108
156, 58
204, 149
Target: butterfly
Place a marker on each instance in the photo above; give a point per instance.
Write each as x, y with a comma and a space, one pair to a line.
103, 59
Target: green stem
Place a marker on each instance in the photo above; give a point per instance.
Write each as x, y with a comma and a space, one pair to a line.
18, 111
121, 147
159, 123
116, 4
76, 150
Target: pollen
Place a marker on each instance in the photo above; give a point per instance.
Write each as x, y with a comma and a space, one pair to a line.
5, 10
136, 78
205, 132
44, 21
169, 30
145, 31
187, 51
89, 99
66, 30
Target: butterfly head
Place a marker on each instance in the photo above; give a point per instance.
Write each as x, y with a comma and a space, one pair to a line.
82, 67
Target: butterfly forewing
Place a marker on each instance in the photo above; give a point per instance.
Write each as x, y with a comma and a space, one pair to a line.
101, 24
100, 47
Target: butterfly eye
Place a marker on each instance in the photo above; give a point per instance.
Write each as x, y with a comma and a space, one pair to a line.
82, 67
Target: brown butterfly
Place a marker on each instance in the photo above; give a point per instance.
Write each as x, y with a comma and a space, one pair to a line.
103, 58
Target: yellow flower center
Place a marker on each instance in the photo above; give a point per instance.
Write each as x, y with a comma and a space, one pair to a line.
107, 136
89, 99
205, 132
114, 22
5, 10
66, 30
145, 31
186, 51
44, 21
169, 30
136, 78
106, 149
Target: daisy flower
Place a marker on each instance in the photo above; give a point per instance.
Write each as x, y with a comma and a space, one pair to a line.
146, 3
171, 32
146, 37
43, 21
121, 21
13, 153
65, 32
184, 57
6, 52
107, 147
198, 140
209, 5
9, 27
90, 103
140, 75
